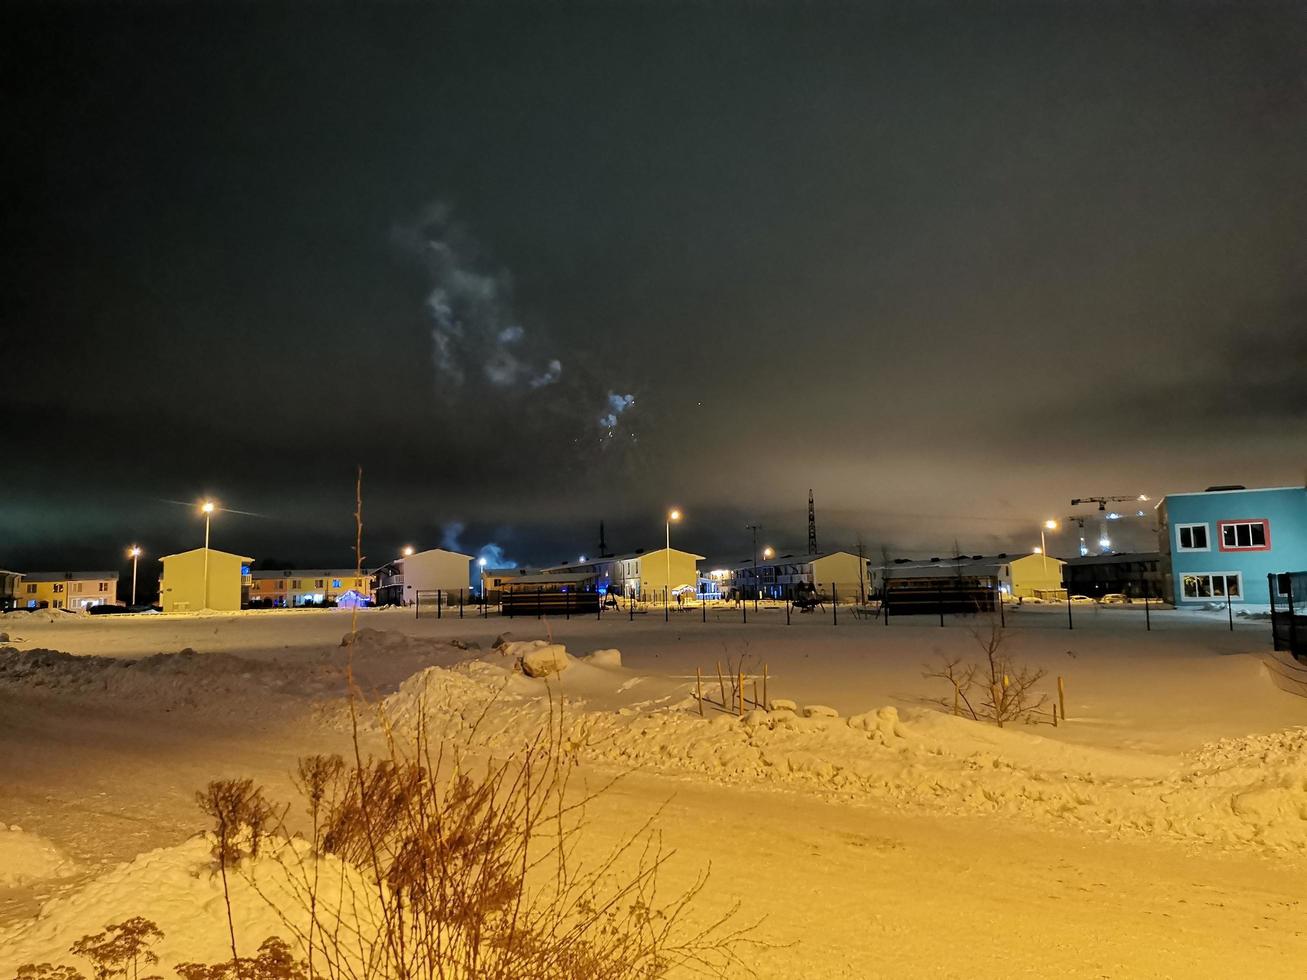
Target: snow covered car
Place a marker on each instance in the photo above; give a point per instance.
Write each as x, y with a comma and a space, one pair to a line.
1081, 600
1115, 599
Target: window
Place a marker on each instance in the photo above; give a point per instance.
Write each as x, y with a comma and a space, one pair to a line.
77, 587
1245, 535
281, 583
1213, 585
317, 584
294, 583
58, 587
104, 586
335, 583
31, 589
58, 603
1191, 537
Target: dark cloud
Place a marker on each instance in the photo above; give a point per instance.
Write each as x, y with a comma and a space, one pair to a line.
949, 265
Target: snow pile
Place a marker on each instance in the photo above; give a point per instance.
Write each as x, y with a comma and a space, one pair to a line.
377, 661
1240, 792
27, 858
179, 889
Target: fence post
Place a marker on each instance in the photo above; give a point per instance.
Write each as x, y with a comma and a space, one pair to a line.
1229, 609
744, 609
939, 603
567, 604
884, 601
540, 593
460, 603
703, 606
438, 598
834, 605
788, 605
630, 608
1148, 616
1069, 624
1293, 623
665, 604
599, 603
1002, 614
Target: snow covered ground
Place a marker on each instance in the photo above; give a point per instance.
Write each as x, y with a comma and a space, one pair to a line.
1161, 831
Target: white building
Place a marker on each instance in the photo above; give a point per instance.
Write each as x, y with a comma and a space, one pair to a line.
398, 582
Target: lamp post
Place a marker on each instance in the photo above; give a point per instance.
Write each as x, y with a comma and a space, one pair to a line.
206, 509
482, 563
408, 550
134, 553
672, 515
1043, 547
767, 554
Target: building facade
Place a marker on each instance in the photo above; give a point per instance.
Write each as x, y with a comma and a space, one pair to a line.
639, 574
1133, 574
839, 573
1024, 575
190, 583
287, 588
10, 584
67, 590
398, 582
1220, 544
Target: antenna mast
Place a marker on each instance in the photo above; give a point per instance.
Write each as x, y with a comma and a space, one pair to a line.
812, 526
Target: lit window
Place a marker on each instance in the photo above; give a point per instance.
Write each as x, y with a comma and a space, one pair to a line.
317, 584
31, 589
1245, 536
335, 583
1191, 537
1215, 585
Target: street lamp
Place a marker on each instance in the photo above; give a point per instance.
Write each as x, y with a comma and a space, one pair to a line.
767, 553
134, 553
672, 515
408, 550
206, 509
1049, 525
482, 563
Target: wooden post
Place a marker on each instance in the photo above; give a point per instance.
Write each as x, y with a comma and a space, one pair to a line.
698, 689
722, 681
1061, 696
1053, 709
765, 702
756, 703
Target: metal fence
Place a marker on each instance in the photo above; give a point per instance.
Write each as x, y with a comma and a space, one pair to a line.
1289, 612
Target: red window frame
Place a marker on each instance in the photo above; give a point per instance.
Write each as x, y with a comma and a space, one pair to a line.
1266, 530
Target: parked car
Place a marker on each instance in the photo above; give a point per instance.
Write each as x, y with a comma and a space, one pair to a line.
1081, 600
106, 609
1116, 599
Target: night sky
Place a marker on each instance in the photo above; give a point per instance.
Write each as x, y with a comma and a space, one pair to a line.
533, 267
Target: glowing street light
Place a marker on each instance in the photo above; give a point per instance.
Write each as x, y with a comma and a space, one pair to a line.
672, 515
408, 550
1049, 525
207, 508
482, 562
134, 553
767, 553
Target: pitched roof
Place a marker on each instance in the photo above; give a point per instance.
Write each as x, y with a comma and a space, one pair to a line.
70, 576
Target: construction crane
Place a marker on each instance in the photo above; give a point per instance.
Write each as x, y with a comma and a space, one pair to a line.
1104, 542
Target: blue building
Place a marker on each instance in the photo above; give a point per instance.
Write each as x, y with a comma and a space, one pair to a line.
1226, 540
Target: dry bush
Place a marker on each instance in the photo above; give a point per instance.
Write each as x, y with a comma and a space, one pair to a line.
120, 951
996, 689
274, 961
47, 971
473, 873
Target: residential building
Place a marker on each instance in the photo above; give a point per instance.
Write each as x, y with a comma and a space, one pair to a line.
1134, 574
787, 576
67, 590
309, 587
640, 574
182, 585
398, 582
493, 579
1222, 543
10, 583
1023, 575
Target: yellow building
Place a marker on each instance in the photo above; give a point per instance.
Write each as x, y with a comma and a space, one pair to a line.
1032, 575
182, 584
836, 574
642, 574
308, 586
67, 590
